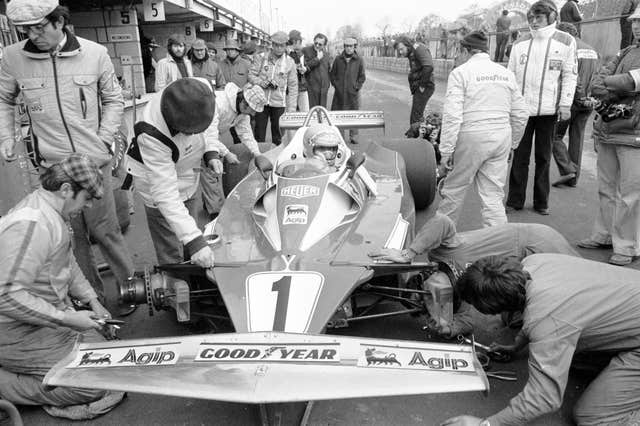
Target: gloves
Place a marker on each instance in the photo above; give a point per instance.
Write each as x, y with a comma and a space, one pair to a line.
216, 166
203, 257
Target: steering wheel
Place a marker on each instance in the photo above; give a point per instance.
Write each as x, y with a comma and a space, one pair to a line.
306, 171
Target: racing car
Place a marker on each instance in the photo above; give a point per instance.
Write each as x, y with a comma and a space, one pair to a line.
291, 244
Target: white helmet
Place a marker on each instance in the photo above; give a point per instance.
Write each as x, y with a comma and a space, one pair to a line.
324, 142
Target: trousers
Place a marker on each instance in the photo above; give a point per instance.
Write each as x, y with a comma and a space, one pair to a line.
569, 160
543, 127
480, 160
317, 96
501, 46
269, 114
419, 103
618, 219
168, 248
211, 188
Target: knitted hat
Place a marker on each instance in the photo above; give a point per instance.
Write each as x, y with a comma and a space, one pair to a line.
199, 44
350, 41
255, 97
294, 35
83, 171
187, 105
29, 12
476, 40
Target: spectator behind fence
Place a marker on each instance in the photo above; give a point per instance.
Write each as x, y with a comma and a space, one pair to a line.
503, 25
568, 161
544, 62
570, 13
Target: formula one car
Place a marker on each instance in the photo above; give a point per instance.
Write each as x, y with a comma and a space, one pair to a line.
291, 263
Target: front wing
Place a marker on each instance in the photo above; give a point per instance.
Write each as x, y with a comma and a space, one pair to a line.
269, 367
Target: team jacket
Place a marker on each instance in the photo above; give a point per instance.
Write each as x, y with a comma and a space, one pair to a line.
167, 71
482, 96
618, 82
572, 305
226, 116
544, 63
281, 71
73, 98
38, 271
168, 176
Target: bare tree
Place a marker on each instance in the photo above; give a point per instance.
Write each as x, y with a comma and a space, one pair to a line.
383, 25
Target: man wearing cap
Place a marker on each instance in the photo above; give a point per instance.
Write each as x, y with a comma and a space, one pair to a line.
420, 76
234, 109
164, 160
347, 77
545, 65
234, 68
295, 46
74, 104
204, 66
249, 51
318, 63
617, 223
276, 73
38, 275
483, 120
176, 65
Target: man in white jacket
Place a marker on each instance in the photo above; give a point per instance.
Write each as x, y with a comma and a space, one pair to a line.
546, 69
483, 120
164, 160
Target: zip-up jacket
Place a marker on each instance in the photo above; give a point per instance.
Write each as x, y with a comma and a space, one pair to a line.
73, 99
587, 67
38, 271
167, 71
618, 82
544, 62
420, 67
209, 70
169, 175
236, 72
482, 96
280, 71
226, 116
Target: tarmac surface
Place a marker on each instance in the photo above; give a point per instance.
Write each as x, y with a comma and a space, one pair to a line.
572, 213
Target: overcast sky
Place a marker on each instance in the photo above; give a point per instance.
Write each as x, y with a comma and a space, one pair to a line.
311, 17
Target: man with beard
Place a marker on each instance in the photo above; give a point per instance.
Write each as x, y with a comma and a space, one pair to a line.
203, 65
175, 65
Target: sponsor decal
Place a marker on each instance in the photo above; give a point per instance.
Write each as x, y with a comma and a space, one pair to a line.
295, 214
523, 59
259, 352
300, 191
415, 359
555, 65
128, 356
36, 107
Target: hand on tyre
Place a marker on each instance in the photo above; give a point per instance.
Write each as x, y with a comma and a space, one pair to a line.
7, 150
203, 257
216, 166
231, 158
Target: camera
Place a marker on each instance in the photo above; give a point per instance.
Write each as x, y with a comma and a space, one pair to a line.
609, 112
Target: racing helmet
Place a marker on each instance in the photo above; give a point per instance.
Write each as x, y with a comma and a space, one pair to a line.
322, 141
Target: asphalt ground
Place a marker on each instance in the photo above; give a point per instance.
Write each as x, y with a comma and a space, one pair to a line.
572, 213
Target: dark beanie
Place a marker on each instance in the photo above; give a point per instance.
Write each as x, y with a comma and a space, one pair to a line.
476, 40
187, 106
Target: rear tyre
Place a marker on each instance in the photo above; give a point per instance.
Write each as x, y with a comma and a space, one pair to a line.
420, 165
234, 173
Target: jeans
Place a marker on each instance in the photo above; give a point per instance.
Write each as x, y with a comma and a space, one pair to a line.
303, 101
419, 103
168, 248
569, 160
273, 114
501, 39
543, 128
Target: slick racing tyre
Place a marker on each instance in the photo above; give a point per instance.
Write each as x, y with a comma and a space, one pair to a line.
234, 173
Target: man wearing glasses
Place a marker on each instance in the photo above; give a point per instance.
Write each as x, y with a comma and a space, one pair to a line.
317, 61
276, 73
75, 105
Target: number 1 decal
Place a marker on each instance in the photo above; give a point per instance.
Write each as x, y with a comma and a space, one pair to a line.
282, 301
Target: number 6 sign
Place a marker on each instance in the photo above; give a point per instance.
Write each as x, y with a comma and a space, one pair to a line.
282, 301
153, 10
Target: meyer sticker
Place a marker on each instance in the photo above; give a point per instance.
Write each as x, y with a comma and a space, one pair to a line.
415, 359
300, 191
128, 356
295, 214
285, 352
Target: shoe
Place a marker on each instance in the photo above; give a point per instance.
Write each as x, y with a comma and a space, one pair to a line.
588, 243
511, 209
620, 259
564, 179
126, 310
543, 212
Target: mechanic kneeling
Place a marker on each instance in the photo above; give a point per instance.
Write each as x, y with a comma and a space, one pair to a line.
38, 275
570, 305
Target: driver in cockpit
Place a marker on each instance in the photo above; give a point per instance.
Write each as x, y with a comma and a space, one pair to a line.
324, 151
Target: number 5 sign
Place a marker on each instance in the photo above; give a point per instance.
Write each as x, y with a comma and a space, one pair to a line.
282, 301
153, 10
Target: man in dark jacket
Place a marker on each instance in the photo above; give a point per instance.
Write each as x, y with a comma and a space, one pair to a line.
203, 66
569, 161
420, 75
503, 25
295, 44
347, 77
626, 35
571, 14
317, 61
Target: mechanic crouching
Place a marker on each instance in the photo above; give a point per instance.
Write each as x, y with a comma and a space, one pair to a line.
38, 276
570, 306
164, 160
